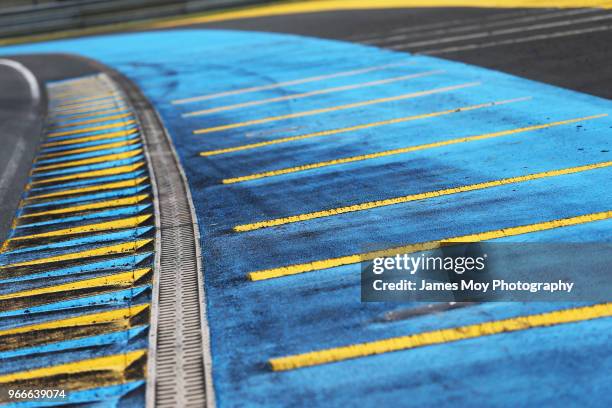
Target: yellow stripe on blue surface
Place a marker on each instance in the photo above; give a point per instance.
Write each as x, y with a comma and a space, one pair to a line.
484, 136
414, 197
334, 108
89, 207
331, 132
82, 190
431, 338
424, 246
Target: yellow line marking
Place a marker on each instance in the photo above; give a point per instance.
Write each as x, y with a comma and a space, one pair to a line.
82, 89
430, 338
91, 138
93, 160
99, 187
96, 110
81, 101
87, 115
90, 174
60, 110
89, 207
103, 251
358, 127
415, 197
292, 82
75, 93
311, 93
335, 108
90, 121
72, 84
88, 149
286, 8
92, 129
425, 246
115, 281
403, 150
116, 363
83, 320
298, 7
71, 112
89, 228
74, 97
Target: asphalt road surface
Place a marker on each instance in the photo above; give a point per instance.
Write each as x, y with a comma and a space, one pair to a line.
547, 45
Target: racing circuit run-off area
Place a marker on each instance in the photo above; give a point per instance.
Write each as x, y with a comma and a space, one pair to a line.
325, 203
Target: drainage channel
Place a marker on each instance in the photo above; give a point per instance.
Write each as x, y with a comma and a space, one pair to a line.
179, 372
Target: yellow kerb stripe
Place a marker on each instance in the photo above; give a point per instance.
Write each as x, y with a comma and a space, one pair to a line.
90, 121
103, 251
89, 207
118, 280
99, 159
98, 187
73, 93
92, 129
311, 93
77, 106
89, 228
377, 155
67, 98
95, 109
89, 149
116, 363
91, 138
292, 82
335, 108
514, 324
359, 127
83, 320
86, 115
90, 174
81, 101
424, 246
414, 197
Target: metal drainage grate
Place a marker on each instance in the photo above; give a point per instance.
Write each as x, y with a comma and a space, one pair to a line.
179, 372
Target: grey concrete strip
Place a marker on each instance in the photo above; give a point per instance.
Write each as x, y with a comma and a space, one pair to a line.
179, 363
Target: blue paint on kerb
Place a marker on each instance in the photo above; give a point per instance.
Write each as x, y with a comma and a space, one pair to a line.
95, 180
80, 169
67, 122
61, 103
121, 263
89, 349
95, 125
83, 342
92, 133
89, 144
117, 193
85, 105
98, 153
129, 234
251, 322
116, 212
72, 307
68, 116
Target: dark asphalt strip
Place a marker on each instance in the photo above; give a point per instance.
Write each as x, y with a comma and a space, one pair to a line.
577, 61
21, 123
20, 129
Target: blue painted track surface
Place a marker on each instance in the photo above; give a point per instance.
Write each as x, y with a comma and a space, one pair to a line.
251, 322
